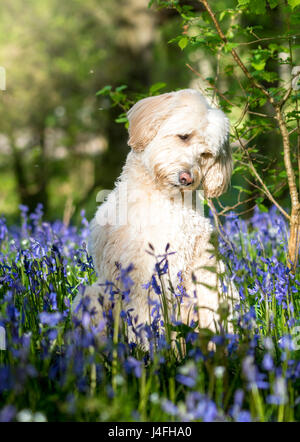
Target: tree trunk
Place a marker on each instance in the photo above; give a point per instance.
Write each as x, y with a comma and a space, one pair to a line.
293, 245
294, 239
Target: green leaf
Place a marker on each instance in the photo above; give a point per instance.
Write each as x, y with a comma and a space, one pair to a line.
104, 91
262, 101
262, 208
294, 3
121, 88
258, 6
255, 6
282, 174
222, 15
229, 46
122, 118
259, 65
273, 3
269, 76
187, 17
242, 189
183, 42
156, 87
259, 59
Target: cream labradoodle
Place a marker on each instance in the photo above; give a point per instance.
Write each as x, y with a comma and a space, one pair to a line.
178, 144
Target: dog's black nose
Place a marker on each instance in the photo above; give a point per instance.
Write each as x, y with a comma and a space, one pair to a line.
185, 178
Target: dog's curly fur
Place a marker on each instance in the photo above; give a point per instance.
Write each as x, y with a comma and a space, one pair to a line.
170, 134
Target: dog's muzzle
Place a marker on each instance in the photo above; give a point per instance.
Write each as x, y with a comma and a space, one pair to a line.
185, 178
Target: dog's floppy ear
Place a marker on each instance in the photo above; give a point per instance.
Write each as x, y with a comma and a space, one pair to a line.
217, 176
145, 118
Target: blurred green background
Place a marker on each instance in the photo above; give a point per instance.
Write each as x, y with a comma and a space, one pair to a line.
59, 142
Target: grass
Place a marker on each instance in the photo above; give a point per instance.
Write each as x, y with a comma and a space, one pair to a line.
56, 368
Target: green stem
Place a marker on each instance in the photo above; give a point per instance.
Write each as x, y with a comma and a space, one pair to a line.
115, 342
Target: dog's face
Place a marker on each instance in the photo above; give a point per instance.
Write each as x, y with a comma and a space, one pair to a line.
182, 142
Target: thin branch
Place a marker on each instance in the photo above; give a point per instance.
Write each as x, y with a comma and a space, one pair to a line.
210, 84
294, 219
294, 130
218, 223
256, 174
260, 115
246, 211
227, 208
254, 185
267, 39
225, 98
242, 115
235, 55
285, 98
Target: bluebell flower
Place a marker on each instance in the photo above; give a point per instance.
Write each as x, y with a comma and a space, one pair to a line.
52, 334
7, 413
186, 380
133, 365
125, 278
51, 319
196, 354
286, 342
6, 380
40, 255
279, 395
169, 407
53, 300
155, 286
3, 230
161, 267
243, 416
253, 376
199, 407
267, 362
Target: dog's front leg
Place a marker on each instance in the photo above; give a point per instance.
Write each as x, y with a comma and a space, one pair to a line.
93, 293
201, 304
207, 302
202, 287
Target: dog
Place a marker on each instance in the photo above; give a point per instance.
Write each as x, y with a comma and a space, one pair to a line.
179, 144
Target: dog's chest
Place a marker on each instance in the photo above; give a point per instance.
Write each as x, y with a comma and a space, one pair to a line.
169, 223
157, 221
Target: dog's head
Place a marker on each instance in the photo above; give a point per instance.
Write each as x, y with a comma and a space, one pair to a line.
182, 141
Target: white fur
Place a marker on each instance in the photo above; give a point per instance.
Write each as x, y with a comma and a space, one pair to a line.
148, 181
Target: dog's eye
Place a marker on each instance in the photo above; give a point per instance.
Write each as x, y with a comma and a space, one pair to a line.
183, 137
206, 155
